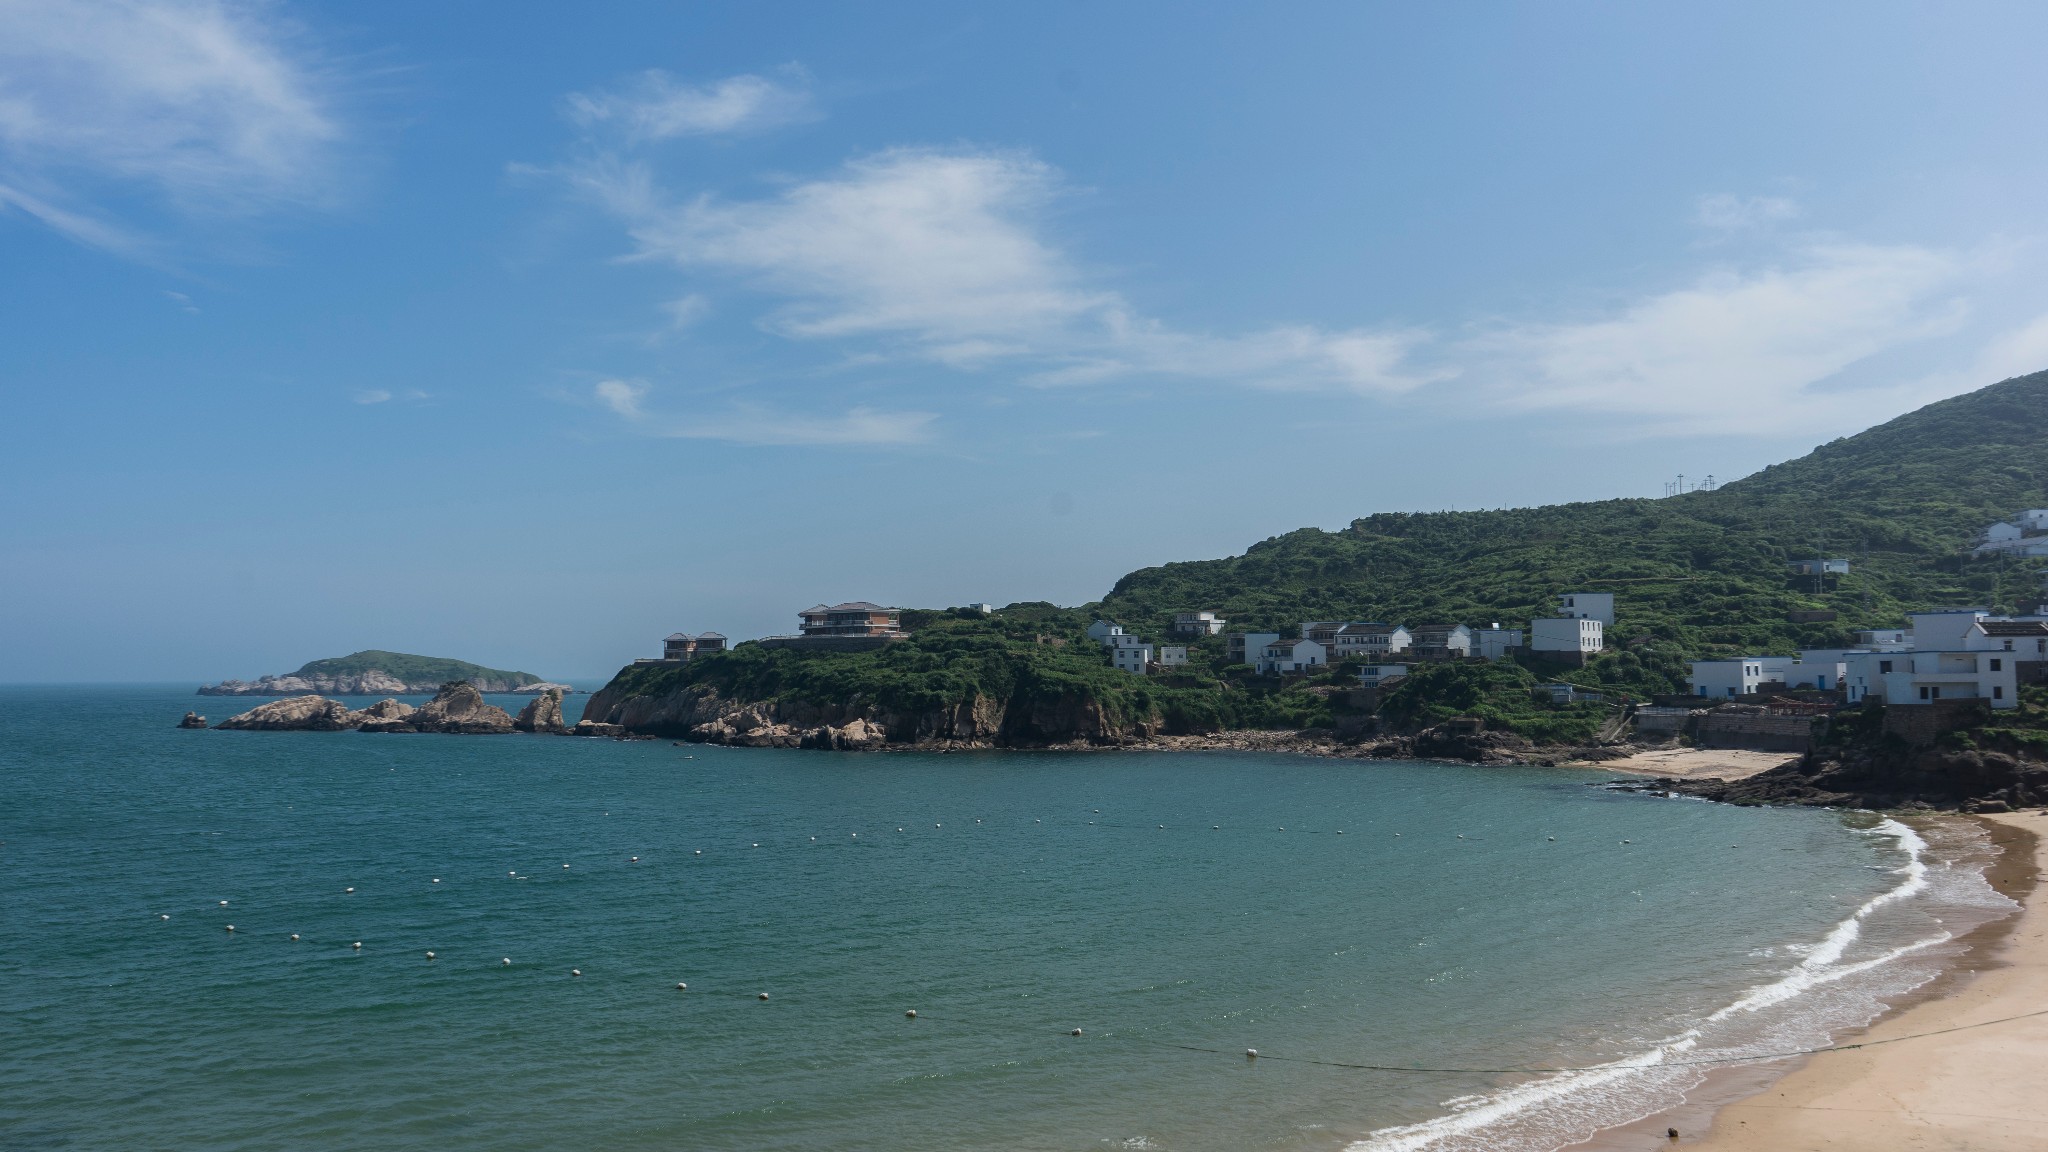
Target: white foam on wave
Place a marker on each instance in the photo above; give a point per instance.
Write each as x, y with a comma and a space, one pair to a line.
1565, 1107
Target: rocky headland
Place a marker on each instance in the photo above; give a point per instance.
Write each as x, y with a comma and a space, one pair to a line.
456, 708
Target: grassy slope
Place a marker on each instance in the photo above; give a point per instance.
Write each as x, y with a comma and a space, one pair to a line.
1696, 575
411, 669
1699, 574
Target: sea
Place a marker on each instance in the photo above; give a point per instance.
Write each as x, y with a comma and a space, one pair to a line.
536, 942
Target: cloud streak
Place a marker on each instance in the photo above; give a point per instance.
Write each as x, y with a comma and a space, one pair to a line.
656, 106
201, 102
755, 426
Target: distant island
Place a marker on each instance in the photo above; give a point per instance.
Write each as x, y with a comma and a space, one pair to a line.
377, 673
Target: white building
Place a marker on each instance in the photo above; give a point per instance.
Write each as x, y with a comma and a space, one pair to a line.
1132, 657
1247, 647
1198, 623
1321, 631
1440, 641
1172, 655
2035, 519
1102, 630
1587, 606
1738, 677
1494, 643
1583, 635
1293, 656
1917, 677
1376, 675
1367, 641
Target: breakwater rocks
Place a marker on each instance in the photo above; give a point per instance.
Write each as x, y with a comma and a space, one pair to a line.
1968, 780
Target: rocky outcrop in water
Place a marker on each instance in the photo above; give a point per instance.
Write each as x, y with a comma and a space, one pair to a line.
542, 714
367, 684
459, 708
192, 720
384, 716
295, 714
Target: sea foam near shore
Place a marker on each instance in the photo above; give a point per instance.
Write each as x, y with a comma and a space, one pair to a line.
1895, 942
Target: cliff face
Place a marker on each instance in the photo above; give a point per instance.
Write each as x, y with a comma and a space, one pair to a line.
699, 712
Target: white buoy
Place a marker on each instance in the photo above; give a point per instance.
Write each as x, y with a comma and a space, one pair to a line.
764, 996
634, 860
1162, 825
1252, 1052
295, 935
1215, 827
814, 839
1076, 1032
223, 903
1397, 835
514, 872
1461, 835
899, 829
430, 955
682, 987
911, 1014
757, 845
1283, 829
358, 945
977, 819
231, 927
1628, 841
856, 835
505, 963
344, 890
437, 879
1340, 831
1550, 837
700, 851
575, 971
938, 825
163, 915
1038, 821
565, 865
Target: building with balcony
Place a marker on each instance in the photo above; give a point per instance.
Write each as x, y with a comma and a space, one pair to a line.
853, 618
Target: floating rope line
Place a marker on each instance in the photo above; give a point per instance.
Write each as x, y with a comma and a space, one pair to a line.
1526, 1071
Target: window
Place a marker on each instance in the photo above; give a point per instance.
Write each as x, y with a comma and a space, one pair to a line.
1997, 665
1998, 693
1923, 693
1884, 665
2008, 645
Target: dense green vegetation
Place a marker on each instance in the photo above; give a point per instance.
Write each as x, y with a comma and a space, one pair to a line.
411, 669
1702, 574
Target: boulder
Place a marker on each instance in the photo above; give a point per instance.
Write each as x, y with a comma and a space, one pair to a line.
543, 713
192, 720
595, 728
384, 716
459, 708
292, 714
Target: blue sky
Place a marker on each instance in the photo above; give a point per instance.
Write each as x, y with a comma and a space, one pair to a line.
528, 335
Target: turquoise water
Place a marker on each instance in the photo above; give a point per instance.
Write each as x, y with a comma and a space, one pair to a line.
1008, 898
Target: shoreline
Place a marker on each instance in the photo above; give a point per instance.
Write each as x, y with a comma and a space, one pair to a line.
1970, 1088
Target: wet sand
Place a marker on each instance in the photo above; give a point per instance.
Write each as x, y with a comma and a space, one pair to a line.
1973, 1084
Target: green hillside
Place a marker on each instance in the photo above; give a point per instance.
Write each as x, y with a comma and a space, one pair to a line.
1695, 575
412, 669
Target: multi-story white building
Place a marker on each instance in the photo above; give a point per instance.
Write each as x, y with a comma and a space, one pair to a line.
1377, 675
1738, 677
1918, 677
1584, 635
1440, 641
1198, 623
1132, 657
1247, 647
1367, 641
1102, 630
1587, 606
1496, 642
1293, 656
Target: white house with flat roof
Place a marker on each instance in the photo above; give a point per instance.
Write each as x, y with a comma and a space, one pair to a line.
1247, 647
1916, 677
1365, 640
1581, 634
1293, 656
1198, 623
1738, 677
1132, 657
1172, 655
1496, 642
1102, 630
1587, 606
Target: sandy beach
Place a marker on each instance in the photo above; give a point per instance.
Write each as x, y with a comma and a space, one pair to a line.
1974, 1085
1694, 763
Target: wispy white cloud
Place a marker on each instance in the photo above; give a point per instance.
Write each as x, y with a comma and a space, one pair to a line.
1735, 351
372, 396
754, 425
940, 254
686, 311
621, 396
656, 106
203, 101
1727, 212
183, 301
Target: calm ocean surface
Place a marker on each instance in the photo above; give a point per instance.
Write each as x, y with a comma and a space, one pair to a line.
1008, 898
